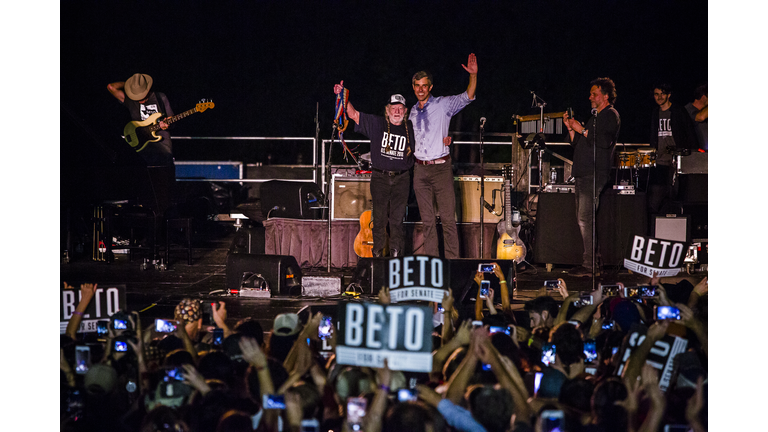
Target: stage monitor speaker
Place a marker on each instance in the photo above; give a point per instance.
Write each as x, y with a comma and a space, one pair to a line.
281, 272
290, 199
672, 227
351, 196
371, 274
467, 190
248, 240
557, 239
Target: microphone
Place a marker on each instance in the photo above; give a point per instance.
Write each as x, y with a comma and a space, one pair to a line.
482, 122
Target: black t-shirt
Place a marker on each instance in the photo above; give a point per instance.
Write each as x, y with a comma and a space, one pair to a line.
389, 151
608, 125
156, 103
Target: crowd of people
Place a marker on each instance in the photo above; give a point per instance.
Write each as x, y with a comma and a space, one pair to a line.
488, 371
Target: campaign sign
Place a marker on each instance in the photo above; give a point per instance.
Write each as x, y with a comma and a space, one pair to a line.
106, 301
661, 356
647, 255
371, 332
418, 277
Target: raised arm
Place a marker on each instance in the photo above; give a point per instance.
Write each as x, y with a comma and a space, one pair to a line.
504, 286
636, 361
703, 114
87, 291
116, 89
471, 67
460, 379
351, 111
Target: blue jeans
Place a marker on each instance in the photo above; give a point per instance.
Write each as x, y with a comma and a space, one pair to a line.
584, 212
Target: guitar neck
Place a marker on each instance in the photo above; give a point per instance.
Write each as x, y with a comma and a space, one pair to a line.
507, 205
172, 119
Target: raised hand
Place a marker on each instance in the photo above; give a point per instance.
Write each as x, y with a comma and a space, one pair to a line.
88, 290
562, 288
448, 300
252, 353
702, 287
463, 333
338, 87
385, 297
219, 313
471, 66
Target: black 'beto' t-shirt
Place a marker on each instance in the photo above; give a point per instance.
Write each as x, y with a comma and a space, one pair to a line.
388, 151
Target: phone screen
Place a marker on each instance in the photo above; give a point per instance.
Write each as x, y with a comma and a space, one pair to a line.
484, 287
120, 324
548, 353
82, 359
356, 408
552, 284
273, 402
537, 382
102, 328
218, 336
667, 312
552, 421
590, 351
405, 395
611, 290
121, 346
164, 326
486, 268
325, 328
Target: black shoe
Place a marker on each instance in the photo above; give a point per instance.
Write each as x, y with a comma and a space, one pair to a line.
580, 271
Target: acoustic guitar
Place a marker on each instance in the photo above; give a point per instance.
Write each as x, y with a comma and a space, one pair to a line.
364, 239
509, 246
138, 134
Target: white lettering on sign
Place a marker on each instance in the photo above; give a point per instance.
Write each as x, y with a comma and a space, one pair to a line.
68, 299
374, 326
677, 253
414, 326
394, 273
437, 273
113, 302
353, 330
394, 318
407, 270
423, 269
649, 251
637, 248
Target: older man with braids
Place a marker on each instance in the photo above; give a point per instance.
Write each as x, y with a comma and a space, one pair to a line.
391, 161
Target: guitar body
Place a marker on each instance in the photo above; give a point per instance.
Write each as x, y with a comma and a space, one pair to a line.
509, 246
138, 133
364, 239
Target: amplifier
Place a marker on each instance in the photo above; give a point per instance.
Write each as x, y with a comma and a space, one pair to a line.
351, 196
467, 190
695, 163
560, 188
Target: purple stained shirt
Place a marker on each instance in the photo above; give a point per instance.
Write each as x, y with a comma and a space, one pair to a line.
431, 124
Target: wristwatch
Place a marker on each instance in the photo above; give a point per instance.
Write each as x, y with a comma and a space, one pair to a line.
584, 131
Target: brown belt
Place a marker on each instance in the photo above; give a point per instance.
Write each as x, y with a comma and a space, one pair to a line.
441, 160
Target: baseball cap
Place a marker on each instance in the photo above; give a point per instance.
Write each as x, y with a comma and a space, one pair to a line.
286, 324
396, 99
100, 379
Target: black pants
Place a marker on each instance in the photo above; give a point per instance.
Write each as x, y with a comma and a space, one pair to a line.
390, 198
585, 211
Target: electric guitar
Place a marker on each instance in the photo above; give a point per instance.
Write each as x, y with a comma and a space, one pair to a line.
140, 133
509, 246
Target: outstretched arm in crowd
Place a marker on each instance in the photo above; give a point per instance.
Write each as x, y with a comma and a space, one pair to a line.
87, 291
181, 333
694, 407
504, 287
585, 313
699, 290
506, 373
138, 349
449, 315
479, 301
256, 358
373, 420
447, 348
460, 378
219, 312
489, 301
309, 331
655, 415
562, 313
636, 361
689, 320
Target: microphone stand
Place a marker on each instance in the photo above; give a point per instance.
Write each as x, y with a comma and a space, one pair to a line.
539, 102
328, 196
482, 191
594, 193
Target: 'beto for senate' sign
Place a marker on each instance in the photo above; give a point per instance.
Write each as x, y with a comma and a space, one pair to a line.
649, 255
418, 277
371, 332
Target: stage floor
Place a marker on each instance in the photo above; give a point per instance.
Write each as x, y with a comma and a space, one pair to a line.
155, 293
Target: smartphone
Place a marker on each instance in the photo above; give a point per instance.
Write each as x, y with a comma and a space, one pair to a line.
310, 425
584, 300
486, 268
667, 312
486, 367
552, 284
119, 324
164, 326
570, 112
218, 336
548, 353
614, 350
497, 329
325, 328
440, 307
121, 346
208, 314
356, 407
590, 351
552, 421
612, 290
484, 287
537, 382
102, 328
476, 324
647, 290
607, 325
406, 395
82, 359
271, 401
174, 373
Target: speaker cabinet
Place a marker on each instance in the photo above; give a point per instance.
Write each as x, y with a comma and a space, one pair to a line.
467, 189
289, 199
351, 196
371, 274
672, 227
281, 272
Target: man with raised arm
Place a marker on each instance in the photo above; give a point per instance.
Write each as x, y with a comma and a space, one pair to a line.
433, 173
391, 161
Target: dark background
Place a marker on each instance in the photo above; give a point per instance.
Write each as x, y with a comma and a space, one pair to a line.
268, 64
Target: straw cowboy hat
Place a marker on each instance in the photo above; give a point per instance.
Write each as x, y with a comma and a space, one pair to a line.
137, 86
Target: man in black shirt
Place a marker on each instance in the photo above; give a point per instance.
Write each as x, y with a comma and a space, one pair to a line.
592, 158
391, 161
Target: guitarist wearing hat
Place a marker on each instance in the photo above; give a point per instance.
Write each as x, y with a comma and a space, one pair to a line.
137, 96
